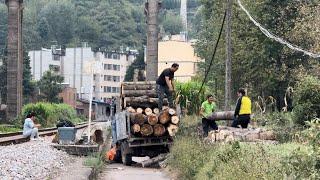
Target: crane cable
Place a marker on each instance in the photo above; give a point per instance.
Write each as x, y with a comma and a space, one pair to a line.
214, 53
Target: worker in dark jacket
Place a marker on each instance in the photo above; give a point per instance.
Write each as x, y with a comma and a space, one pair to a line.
243, 110
165, 85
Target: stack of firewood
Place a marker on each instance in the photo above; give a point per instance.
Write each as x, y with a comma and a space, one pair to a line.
153, 122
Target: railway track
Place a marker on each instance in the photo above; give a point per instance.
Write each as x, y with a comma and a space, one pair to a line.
17, 137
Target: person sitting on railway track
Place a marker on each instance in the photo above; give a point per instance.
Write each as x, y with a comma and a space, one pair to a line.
30, 129
165, 85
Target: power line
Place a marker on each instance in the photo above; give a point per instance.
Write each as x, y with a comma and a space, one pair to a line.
276, 38
214, 53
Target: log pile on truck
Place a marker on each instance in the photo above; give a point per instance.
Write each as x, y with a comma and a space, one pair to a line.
140, 100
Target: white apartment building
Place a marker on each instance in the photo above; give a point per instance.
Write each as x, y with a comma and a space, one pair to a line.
73, 65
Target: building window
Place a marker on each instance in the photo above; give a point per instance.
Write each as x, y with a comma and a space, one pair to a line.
116, 78
109, 66
118, 90
94, 88
105, 66
108, 89
115, 56
114, 90
109, 55
54, 68
94, 77
56, 57
93, 98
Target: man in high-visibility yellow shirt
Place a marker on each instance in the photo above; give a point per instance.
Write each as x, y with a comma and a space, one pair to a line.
243, 110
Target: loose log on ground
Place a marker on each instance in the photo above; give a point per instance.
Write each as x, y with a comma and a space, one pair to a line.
159, 130
139, 110
156, 110
148, 111
164, 117
172, 129
172, 111
137, 93
139, 119
175, 119
146, 130
136, 128
152, 119
154, 160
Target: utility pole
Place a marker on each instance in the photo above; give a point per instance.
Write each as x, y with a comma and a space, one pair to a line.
151, 11
15, 59
227, 101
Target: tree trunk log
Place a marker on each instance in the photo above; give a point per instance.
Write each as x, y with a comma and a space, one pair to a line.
136, 128
133, 118
159, 130
224, 115
152, 119
154, 160
156, 110
131, 110
139, 119
148, 111
143, 102
146, 130
175, 119
139, 87
172, 111
139, 110
139, 83
172, 129
137, 93
164, 117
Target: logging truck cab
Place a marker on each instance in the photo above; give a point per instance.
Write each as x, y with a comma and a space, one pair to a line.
137, 95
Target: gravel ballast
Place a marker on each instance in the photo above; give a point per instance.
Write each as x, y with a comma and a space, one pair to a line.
31, 160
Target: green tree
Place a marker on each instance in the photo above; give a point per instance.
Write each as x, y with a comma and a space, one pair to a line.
50, 86
172, 23
137, 64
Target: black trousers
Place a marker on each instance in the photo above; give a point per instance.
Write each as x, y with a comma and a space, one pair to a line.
208, 125
242, 120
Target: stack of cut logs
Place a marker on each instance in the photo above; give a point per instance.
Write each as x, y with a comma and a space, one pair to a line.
140, 94
152, 122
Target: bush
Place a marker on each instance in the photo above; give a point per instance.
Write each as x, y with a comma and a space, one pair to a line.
282, 124
191, 158
190, 97
48, 114
306, 100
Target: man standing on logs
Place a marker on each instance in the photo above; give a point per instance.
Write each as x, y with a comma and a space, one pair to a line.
207, 108
165, 85
243, 110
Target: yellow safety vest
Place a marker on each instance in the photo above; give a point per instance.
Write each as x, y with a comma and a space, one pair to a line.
245, 107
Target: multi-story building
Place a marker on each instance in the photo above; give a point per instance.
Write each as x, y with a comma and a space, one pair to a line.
178, 50
73, 65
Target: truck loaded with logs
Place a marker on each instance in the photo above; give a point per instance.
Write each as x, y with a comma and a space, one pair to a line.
140, 128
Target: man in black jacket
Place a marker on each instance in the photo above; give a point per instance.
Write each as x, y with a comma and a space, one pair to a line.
165, 85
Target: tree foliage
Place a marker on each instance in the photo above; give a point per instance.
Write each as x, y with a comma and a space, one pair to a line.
50, 86
260, 64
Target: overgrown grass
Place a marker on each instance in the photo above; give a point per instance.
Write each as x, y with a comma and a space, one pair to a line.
8, 129
97, 160
194, 159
